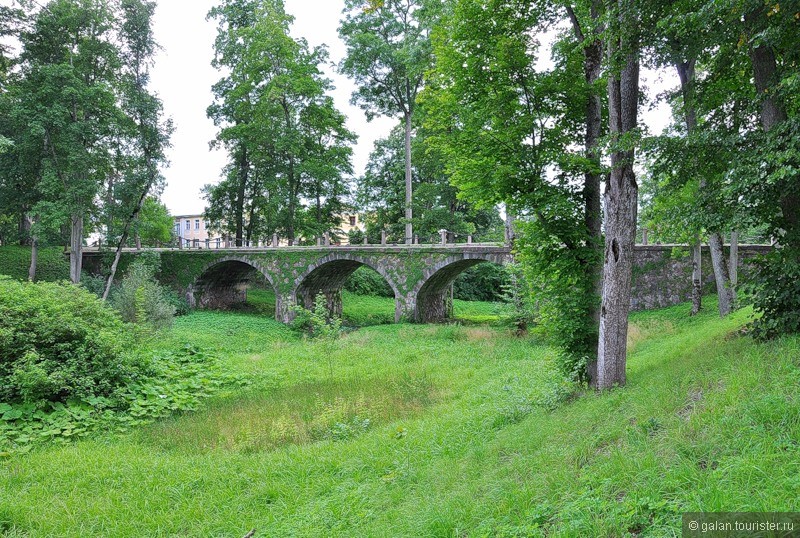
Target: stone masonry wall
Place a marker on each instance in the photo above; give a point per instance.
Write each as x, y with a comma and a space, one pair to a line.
662, 274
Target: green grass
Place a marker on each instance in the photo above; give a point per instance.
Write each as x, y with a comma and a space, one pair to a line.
435, 431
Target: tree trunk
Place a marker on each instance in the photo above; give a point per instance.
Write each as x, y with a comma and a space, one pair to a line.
727, 294
76, 248
773, 112
697, 276
34, 259
124, 238
734, 261
244, 170
409, 193
621, 198
593, 218
686, 73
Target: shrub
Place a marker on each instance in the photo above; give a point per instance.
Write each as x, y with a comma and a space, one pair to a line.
317, 322
484, 282
774, 290
58, 341
142, 300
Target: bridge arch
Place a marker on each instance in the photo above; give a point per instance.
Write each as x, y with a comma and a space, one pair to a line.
223, 282
329, 274
432, 291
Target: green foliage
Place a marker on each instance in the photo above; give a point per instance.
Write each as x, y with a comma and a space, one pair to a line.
282, 131
367, 281
57, 342
141, 300
774, 289
167, 382
317, 322
51, 266
520, 312
484, 282
561, 282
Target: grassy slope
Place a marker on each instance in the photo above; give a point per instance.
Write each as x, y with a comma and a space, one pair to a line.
709, 421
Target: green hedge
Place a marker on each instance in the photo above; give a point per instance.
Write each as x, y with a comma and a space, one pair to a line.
52, 264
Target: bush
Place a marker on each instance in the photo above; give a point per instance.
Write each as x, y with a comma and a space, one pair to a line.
366, 281
142, 300
774, 290
57, 342
484, 282
318, 322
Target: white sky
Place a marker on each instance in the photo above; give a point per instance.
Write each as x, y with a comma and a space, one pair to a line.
182, 76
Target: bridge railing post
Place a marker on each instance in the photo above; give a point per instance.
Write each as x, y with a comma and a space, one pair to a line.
366, 239
383, 237
275, 240
469, 239
443, 234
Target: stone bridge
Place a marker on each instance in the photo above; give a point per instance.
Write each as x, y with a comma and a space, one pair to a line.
419, 275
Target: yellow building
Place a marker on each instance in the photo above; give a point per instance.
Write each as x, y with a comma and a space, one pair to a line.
194, 228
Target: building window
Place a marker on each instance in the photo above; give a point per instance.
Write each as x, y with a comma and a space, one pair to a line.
352, 220
196, 224
188, 225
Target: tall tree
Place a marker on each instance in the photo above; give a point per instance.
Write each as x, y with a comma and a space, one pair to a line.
507, 128
147, 134
288, 143
388, 51
70, 65
621, 195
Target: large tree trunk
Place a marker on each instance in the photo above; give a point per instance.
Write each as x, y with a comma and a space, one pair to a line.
593, 218
76, 248
621, 198
409, 193
734, 261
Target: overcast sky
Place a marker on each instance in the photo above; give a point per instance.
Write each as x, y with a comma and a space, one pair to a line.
183, 76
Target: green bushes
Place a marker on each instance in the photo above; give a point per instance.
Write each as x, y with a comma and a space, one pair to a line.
57, 342
484, 282
366, 281
142, 300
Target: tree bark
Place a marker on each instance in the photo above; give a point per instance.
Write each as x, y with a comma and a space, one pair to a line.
593, 218
34, 259
725, 289
409, 192
76, 248
244, 171
621, 198
773, 112
686, 73
697, 276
